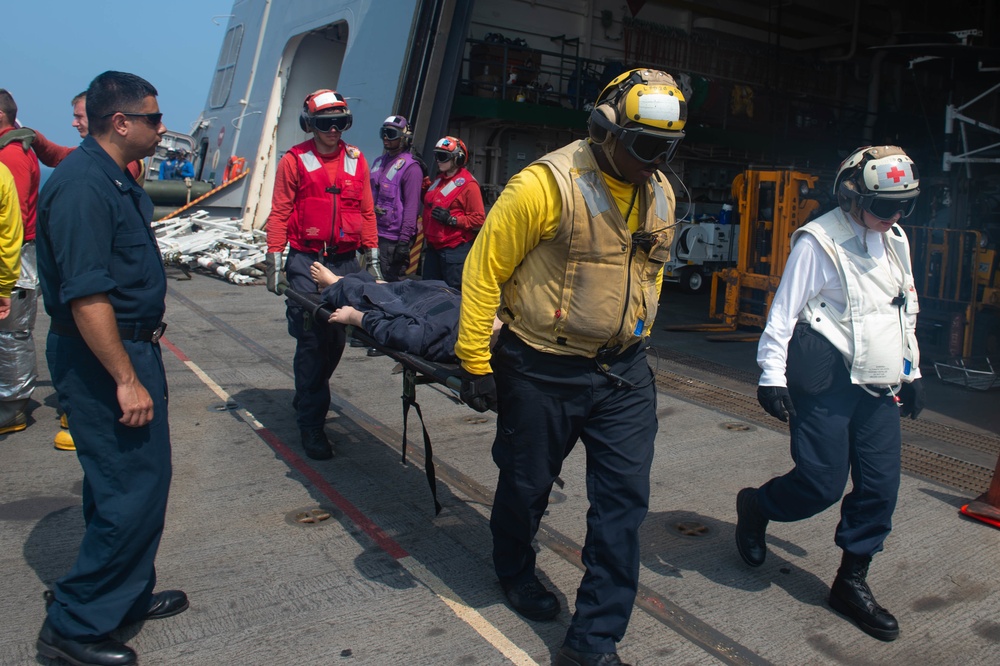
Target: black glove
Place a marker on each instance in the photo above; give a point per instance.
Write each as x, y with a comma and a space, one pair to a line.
776, 401
402, 250
444, 216
911, 399
479, 391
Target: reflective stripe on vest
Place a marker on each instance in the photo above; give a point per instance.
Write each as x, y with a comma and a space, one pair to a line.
391, 173
310, 162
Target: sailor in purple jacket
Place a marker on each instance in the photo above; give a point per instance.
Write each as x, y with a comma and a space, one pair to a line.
397, 177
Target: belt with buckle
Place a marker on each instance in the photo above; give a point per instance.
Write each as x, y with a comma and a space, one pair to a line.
127, 331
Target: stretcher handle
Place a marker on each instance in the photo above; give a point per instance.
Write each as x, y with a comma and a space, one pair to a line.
311, 303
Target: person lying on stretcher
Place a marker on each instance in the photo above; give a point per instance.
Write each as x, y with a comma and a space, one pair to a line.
418, 317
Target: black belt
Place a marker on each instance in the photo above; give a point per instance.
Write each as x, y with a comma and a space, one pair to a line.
127, 331
881, 391
331, 254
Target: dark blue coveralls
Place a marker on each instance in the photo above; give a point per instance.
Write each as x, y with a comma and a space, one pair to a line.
94, 237
546, 403
319, 345
414, 316
839, 431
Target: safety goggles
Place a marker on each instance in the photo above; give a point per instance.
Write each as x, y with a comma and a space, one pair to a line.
886, 209
645, 146
151, 118
328, 123
390, 133
442, 156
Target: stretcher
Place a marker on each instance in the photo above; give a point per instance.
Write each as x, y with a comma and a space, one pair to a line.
416, 371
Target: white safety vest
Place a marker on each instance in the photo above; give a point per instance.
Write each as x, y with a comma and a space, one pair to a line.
875, 332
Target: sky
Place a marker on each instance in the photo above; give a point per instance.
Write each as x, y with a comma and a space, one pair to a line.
53, 48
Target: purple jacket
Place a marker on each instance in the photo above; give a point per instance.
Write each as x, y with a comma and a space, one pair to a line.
396, 183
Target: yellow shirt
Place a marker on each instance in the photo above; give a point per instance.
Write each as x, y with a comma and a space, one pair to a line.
11, 233
527, 212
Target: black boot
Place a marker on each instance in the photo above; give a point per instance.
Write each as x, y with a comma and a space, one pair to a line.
851, 596
531, 600
315, 444
751, 526
105, 652
567, 656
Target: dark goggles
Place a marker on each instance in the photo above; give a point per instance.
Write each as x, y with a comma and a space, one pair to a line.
328, 123
647, 147
442, 156
886, 209
390, 133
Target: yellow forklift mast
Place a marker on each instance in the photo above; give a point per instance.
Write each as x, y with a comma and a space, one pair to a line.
958, 283
771, 205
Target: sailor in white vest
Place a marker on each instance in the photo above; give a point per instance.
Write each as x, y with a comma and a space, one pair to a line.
840, 363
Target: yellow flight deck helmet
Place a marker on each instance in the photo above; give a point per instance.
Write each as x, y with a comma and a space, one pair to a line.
645, 111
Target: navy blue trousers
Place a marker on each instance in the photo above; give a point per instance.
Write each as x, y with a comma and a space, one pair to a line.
446, 264
318, 345
546, 404
126, 479
840, 432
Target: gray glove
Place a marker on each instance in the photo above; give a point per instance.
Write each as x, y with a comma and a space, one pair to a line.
273, 270
371, 257
776, 401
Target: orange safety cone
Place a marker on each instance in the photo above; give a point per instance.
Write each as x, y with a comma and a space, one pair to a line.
986, 507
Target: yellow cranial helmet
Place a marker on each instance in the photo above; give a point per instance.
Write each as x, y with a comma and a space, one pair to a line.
644, 110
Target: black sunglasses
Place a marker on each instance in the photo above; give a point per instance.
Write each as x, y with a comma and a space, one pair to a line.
327, 123
443, 157
152, 118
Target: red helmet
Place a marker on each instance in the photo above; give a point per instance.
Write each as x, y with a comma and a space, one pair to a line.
325, 102
452, 147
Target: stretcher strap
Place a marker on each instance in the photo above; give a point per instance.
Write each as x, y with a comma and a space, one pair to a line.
428, 451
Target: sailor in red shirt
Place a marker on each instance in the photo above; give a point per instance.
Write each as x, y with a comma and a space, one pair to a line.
322, 209
453, 213
52, 154
18, 372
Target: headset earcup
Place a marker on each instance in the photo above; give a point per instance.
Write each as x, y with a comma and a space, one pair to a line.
603, 118
847, 194
304, 122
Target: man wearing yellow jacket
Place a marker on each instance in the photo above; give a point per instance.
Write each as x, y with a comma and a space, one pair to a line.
570, 259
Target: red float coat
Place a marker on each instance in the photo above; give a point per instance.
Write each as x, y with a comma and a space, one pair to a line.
322, 201
461, 196
23, 166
